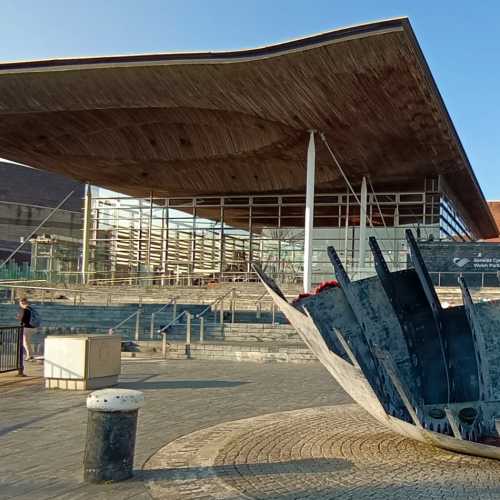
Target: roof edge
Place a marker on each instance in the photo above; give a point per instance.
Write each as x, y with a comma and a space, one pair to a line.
302, 43
432, 83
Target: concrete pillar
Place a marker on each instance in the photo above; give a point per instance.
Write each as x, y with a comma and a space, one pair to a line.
309, 213
362, 228
87, 224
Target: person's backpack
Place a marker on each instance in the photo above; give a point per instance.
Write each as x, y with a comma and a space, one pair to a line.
36, 319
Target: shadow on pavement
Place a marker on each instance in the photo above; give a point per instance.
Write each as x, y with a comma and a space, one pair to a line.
304, 466
180, 384
26, 423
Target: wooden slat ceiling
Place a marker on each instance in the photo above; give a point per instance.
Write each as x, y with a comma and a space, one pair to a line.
236, 122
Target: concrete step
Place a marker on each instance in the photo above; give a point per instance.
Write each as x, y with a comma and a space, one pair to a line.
233, 351
263, 352
247, 294
237, 332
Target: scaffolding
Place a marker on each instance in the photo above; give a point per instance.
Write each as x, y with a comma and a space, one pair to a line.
55, 256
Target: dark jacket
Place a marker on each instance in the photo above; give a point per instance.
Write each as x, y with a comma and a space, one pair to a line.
26, 318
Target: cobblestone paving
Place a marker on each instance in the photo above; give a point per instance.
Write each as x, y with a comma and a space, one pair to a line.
319, 453
42, 432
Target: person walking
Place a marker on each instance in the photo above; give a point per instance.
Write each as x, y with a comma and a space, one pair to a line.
27, 318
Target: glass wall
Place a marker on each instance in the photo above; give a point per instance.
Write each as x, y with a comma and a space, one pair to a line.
453, 227
218, 238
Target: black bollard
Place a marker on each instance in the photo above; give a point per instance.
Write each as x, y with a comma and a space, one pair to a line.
111, 429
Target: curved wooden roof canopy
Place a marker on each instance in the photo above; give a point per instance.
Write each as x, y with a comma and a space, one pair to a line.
236, 122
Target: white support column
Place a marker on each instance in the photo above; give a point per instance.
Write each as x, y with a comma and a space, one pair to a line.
309, 214
150, 233
87, 221
362, 229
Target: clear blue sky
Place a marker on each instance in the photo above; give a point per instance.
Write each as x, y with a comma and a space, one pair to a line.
460, 38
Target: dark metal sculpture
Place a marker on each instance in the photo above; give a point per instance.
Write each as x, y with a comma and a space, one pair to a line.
429, 373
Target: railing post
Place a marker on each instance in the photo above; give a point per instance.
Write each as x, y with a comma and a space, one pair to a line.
221, 312
137, 323
164, 345
259, 310
12, 295
188, 335
202, 330
20, 353
273, 314
175, 309
152, 328
233, 298
482, 280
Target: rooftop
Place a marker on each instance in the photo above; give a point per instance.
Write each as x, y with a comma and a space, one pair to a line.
194, 124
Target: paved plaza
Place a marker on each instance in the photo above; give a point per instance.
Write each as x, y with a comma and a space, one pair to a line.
42, 432
336, 452
228, 431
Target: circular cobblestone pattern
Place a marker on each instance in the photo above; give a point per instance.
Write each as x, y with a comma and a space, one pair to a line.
319, 453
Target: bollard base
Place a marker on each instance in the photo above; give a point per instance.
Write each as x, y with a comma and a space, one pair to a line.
109, 450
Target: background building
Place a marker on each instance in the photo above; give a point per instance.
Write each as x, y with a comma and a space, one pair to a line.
26, 198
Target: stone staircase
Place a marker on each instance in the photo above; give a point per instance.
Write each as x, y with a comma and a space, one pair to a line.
246, 295
66, 319
245, 351
249, 334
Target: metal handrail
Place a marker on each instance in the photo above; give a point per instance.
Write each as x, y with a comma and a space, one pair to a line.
11, 349
227, 277
259, 299
173, 322
137, 315
124, 321
54, 289
258, 304
76, 291
163, 333
273, 308
9, 282
173, 301
482, 274
215, 302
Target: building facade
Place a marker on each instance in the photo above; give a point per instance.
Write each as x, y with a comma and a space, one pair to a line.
219, 238
27, 197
